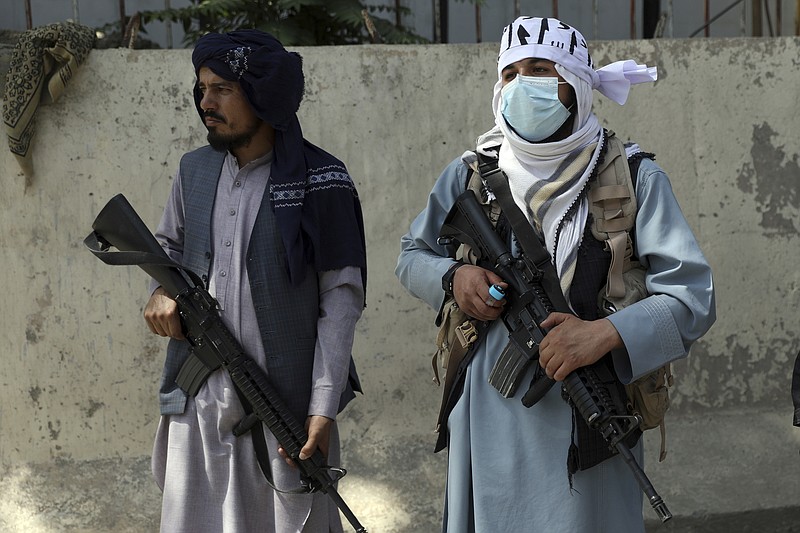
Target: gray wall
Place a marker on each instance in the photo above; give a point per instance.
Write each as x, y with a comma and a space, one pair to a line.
77, 394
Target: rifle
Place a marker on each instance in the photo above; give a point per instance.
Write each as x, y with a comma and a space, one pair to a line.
527, 306
119, 225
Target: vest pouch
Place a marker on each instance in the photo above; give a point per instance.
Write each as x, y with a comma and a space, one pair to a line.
456, 334
648, 395
635, 290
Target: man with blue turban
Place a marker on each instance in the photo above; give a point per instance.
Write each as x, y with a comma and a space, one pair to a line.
513, 466
273, 226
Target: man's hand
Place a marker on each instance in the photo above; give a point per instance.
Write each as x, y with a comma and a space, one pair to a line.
319, 436
572, 343
161, 315
471, 291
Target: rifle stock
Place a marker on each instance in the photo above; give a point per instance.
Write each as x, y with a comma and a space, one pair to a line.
529, 304
119, 225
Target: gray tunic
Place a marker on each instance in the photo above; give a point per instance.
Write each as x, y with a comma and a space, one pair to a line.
210, 479
507, 464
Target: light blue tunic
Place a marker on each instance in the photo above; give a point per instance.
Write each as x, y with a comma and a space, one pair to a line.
507, 465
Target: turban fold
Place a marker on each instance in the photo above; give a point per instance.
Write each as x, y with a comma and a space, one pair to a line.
313, 197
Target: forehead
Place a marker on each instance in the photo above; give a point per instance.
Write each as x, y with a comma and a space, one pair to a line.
206, 76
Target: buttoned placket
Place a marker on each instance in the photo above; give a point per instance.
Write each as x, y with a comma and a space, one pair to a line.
226, 234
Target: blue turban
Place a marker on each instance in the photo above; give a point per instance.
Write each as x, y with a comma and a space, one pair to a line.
313, 197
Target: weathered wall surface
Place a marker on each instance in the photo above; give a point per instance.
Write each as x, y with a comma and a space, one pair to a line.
77, 395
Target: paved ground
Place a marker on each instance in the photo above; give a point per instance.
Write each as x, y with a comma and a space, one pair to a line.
782, 520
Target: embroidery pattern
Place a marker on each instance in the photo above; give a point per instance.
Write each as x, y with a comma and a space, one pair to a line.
319, 179
237, 60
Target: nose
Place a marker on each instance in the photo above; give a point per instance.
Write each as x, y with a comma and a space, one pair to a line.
207, 101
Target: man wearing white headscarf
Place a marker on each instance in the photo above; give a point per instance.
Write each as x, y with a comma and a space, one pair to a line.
508, 464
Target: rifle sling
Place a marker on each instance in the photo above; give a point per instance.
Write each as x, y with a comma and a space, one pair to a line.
192, 376
530, 243
533, 248
252, 424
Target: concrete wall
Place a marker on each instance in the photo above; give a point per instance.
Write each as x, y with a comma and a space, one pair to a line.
77, 394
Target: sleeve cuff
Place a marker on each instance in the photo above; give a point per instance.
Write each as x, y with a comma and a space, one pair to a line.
324, 402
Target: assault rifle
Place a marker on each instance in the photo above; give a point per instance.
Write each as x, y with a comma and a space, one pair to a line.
119, 225
527, 306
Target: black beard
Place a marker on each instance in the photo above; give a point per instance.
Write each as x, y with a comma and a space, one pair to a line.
226, 143
232, 141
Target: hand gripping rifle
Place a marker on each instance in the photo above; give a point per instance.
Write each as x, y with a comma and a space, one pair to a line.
527, 306
119, 225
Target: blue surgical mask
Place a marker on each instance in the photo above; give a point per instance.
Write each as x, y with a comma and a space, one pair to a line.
531, 106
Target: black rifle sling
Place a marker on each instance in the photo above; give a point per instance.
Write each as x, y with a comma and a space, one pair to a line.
528, 240
252, 424
533, 248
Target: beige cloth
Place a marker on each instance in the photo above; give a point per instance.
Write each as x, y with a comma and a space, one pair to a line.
42, 63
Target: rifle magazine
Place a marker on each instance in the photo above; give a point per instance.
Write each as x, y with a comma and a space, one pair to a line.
509, 369
193, 374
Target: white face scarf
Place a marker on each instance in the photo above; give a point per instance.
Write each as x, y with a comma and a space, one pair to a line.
548, 180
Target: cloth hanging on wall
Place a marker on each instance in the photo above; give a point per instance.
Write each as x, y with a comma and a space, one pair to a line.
43, 61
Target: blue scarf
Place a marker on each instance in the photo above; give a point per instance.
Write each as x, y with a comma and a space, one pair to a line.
313, 197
